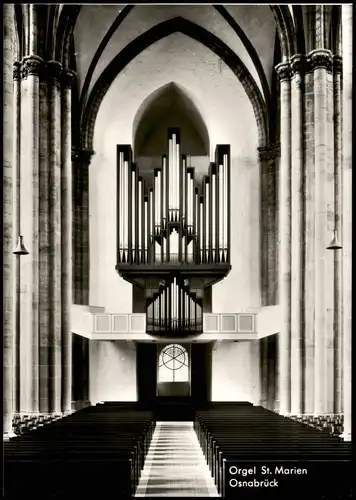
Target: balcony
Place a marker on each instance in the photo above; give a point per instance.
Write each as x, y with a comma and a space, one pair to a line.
96, 324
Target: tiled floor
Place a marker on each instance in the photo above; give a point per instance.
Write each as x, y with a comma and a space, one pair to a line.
175, 465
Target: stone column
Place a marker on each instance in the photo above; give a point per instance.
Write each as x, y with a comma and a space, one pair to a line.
337, 255
45, 247
16, 229
264, 371
320, 61
81, 160
284, 385
297, 239
256, 375
66, 222
8, 340
330, 225
347, 212
309, 244
29, 267
54, 70
269, 265
85, 229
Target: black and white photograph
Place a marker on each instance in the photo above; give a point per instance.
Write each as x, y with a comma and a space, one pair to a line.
177, 245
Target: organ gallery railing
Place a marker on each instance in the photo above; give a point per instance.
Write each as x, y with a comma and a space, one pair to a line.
174, 308
168, 217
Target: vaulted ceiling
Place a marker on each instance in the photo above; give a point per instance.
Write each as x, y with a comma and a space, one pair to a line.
103, 31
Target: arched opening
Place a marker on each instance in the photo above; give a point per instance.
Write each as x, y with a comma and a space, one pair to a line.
173, 371
168, 106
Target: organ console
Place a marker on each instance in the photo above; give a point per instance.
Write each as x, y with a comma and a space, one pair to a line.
170, 226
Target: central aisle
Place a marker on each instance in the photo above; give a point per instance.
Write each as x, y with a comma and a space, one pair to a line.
175, 465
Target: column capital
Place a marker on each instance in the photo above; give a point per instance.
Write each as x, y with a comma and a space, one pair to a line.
17, 71
319, 58
337, 64
82, 156
297, 63
284, 70
53, 71
270, 152
68, 78
31, 65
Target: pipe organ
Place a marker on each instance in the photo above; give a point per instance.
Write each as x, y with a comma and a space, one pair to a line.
170, 218
171, 226
174, 308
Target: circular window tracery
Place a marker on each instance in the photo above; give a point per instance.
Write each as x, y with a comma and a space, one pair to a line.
174, 357
173, 364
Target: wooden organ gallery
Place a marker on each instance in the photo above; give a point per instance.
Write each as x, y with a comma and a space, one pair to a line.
173, 234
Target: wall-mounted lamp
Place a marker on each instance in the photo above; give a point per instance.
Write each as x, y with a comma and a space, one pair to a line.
20, 247
334, 243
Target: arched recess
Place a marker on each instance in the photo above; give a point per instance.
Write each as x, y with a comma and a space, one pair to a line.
153, 35
169, 106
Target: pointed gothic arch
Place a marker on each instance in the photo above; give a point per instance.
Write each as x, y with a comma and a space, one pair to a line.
153, 35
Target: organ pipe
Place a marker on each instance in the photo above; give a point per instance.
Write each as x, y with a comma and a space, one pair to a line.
207, 222
221, 211
164, 188
151, 213
184, 169
146, 232
171, 205
134, 215
225, 235
139, 220
201, 239
174, 308
213, 215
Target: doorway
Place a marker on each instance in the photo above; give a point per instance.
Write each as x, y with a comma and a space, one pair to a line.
192, 368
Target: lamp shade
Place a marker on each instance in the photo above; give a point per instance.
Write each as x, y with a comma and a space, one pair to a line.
20, 247
334, 243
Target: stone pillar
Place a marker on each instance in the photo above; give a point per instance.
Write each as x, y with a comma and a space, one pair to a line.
54, 70
66, 222
347, 211
337, 255
320, 62
297, 239
16, 229
85, 230
269, 264
8, 339
284, 383
309, 244
29, 267
256, 375
264, 370
81, 160
330, 225
44, 245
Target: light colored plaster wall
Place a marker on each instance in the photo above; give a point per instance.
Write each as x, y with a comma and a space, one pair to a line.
112, 371
235, 372
229, 117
